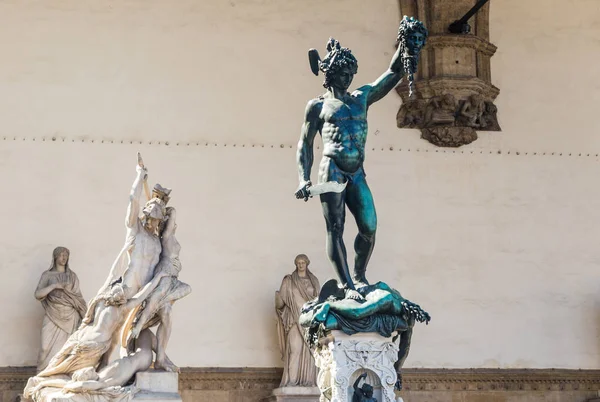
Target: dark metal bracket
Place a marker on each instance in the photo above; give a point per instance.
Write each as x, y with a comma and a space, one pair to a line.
461, 26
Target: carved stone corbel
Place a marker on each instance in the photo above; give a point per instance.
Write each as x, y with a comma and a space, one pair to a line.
454, 93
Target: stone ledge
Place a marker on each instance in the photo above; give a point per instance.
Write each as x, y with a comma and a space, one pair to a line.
157, 381
254, 384
217, 378
143, 396
501, 379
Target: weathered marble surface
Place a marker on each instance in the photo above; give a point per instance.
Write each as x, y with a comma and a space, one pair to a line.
137, 295
342, 358
64, 306
296, 289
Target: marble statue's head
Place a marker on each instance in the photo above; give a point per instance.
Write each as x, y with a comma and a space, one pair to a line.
162, 193
154, 214
117, 295
339, 66
448, 100
476, 100
367, 390
60, 256
301, 262
412, 35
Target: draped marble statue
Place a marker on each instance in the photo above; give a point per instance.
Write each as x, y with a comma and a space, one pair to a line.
138, 294
64, 306
296, 289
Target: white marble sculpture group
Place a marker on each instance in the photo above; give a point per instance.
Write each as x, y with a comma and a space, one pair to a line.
92, 352
114, 340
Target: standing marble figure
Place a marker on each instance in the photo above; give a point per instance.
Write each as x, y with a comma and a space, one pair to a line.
341, 118
296, 289
58, 291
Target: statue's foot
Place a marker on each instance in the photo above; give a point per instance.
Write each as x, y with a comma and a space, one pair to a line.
398, 385
360, 282
353, 295
165, 364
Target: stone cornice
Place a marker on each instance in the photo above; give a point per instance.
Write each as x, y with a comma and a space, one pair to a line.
220, 378
469, 41
462, 86
501, 379
414, 380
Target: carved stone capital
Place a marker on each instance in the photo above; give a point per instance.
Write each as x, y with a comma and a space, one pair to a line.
454, 91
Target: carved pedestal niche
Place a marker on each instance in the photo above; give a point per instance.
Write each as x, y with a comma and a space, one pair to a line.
454, 93
342, 359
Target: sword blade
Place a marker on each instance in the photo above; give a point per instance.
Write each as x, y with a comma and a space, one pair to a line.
328, 187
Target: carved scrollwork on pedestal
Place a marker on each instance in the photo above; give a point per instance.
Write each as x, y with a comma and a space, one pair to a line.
339, 358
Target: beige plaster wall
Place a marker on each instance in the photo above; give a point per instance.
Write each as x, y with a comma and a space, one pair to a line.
499, 247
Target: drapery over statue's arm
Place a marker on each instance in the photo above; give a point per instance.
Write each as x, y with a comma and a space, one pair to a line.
140, 296
43, 289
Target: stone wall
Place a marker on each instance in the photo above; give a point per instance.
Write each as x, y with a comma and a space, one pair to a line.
498, 240
255, 384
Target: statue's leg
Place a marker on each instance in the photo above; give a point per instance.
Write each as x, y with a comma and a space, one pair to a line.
334, 210
155, 348
119, 372
82, 386
158, 296
162, 335
402, 355
361, 205
180, 291
151, 305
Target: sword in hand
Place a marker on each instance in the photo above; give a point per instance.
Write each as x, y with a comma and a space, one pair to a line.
307, 190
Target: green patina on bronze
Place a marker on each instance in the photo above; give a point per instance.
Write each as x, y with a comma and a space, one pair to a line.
341, 118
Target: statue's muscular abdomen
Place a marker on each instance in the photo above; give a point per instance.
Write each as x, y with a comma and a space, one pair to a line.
106, 320
344, 133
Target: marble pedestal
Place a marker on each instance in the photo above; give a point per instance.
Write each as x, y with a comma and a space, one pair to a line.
294, 394
342, 358
157, 386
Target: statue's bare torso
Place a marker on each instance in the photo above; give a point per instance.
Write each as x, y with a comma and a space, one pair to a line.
106, 320
343, 129
143, 255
